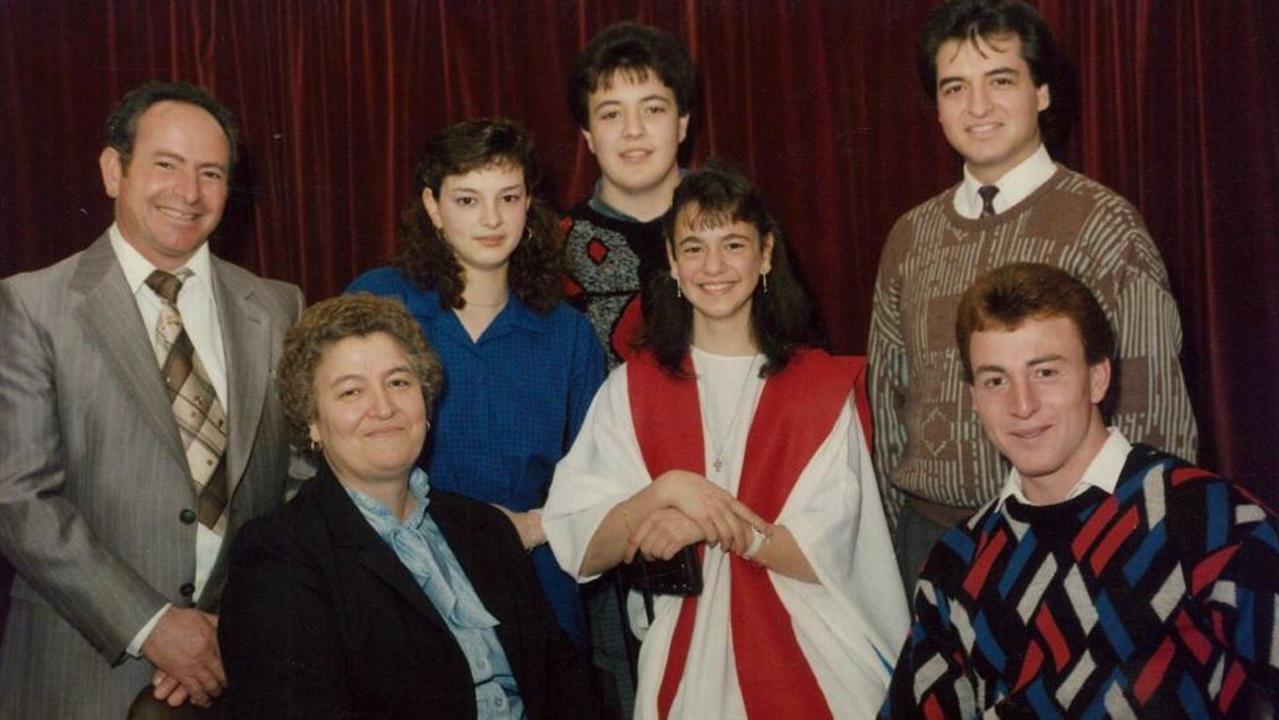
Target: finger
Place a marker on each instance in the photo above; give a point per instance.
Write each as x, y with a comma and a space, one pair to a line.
177, 697
702, 530
741, 534
164, 686
725, 530
637, 539
196, 694
748, 515
219, 673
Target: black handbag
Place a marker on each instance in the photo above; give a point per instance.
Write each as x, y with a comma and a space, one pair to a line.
680, 575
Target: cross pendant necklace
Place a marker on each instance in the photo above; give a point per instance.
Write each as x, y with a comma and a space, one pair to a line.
718, 443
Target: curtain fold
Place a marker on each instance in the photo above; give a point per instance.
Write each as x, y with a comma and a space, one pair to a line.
1173, 106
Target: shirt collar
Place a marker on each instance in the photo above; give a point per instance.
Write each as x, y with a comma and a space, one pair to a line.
137, 268
1014, 186
381, 517
515, 314
597, 204
1102, 473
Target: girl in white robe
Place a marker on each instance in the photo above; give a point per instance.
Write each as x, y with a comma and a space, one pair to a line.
819, 552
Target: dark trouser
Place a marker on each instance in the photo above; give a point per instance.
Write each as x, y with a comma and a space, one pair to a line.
913, 539
608, 642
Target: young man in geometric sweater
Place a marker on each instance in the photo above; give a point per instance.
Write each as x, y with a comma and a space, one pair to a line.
1106, 579
631, 93
988, 64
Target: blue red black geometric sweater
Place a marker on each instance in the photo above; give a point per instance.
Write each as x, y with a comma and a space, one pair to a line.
1158, 601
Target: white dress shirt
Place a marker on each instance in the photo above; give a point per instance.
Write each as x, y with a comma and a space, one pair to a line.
1014, 186
199, 311
1103, 472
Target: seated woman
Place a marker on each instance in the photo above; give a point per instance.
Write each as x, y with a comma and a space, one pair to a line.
728, 432
481, 273
372, 594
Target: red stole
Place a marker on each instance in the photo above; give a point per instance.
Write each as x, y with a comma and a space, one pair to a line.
795, 414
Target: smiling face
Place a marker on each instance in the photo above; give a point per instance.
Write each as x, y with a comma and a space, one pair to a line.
1038, 402
481, 215
170, 194
717, 269
634, 130
988, 104
370, 416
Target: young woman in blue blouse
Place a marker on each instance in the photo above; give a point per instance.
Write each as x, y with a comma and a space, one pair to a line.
479, 269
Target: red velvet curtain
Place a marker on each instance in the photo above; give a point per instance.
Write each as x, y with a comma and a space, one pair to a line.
818, 99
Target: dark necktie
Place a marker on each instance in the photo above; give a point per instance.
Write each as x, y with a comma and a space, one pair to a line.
202, 421
987, 193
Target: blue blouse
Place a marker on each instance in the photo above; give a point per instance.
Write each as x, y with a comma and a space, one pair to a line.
424, 551
511, 405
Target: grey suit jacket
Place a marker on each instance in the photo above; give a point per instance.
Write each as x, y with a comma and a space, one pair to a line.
93, 480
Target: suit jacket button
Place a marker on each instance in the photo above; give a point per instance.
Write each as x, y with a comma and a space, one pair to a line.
187, 516
187, 589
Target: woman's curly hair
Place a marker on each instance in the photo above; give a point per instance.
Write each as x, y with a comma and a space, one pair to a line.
327, 322
535, 265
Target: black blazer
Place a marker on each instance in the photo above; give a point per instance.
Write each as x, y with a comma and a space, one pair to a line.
321, 620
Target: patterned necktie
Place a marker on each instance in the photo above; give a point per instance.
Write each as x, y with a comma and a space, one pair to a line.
987, 193
202, 422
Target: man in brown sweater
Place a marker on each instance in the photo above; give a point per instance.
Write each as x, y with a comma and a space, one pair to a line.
988, 65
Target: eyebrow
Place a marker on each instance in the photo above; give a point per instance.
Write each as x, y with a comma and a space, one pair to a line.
646, 98
698, 238
359, 376
476, 191
1030, 363
1003, 70
170, 155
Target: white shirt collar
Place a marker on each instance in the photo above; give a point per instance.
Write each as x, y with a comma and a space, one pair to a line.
1103, 472
1014, 186
137, 268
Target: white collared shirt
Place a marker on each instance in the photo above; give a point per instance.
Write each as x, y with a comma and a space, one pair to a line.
199, 310
1103, 472
1014, 186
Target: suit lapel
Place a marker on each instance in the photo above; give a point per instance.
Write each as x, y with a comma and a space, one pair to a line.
109, 314
352, 532
247, 335
474, 550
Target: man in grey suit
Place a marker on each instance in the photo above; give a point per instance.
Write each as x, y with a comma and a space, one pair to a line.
138, 427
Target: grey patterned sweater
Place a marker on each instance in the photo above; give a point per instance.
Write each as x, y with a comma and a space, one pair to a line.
929, 445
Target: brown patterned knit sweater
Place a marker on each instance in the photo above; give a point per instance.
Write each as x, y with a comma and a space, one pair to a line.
928, 441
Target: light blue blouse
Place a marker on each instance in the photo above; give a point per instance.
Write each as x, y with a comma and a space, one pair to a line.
421, 548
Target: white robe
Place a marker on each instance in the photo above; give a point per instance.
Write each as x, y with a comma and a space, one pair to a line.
849, 627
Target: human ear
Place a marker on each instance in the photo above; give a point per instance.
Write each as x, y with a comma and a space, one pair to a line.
766, 252
683, 128
432, 207
1098, 381
1045, 96
590, 141
112, 170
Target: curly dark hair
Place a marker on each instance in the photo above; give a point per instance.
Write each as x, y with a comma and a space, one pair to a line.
121, 129
781, 319
633, 50
329, 321
425, 257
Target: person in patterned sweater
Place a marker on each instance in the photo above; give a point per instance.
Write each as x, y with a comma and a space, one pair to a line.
988, 65
1106, 579
631, 93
